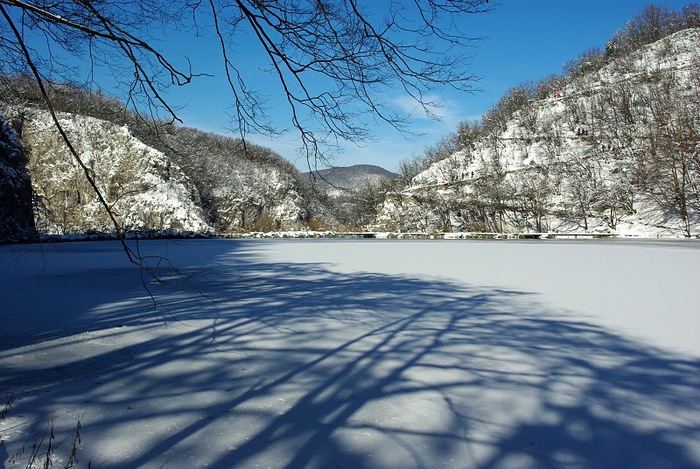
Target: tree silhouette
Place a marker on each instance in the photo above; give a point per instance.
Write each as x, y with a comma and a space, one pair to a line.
334, 60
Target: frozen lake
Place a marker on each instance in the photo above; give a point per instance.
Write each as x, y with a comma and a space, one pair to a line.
356, 354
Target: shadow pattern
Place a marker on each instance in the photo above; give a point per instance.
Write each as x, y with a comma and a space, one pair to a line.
250, 363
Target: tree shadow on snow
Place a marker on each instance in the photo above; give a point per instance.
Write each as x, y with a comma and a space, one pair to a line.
295, 365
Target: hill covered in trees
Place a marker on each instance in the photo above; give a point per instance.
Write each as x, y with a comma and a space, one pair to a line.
609, 146
155, 175
613, 145
354, 192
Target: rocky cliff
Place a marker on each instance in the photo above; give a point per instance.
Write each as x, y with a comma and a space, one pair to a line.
141, 185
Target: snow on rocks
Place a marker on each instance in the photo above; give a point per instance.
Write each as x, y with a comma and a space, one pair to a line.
144, 189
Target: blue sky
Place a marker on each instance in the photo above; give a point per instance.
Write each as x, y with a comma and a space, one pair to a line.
524, 40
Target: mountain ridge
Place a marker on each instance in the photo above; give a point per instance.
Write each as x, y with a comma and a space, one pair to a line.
349, 177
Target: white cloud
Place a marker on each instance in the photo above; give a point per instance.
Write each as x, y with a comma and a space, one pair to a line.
386, 146
436, 106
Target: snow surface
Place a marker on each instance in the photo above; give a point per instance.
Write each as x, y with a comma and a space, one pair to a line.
357, 354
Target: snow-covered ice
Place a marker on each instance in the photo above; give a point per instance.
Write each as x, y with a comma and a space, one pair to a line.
357, 354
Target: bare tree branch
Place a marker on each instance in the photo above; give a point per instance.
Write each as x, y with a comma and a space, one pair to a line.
66, 140
337, 63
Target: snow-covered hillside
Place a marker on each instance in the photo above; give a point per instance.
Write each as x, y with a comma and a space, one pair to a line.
354, 355
243, 187
182, 180
614, 150
144, 189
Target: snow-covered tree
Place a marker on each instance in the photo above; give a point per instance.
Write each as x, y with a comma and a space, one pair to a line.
610, 146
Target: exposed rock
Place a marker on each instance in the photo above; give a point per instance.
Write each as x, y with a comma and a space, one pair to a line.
143, 188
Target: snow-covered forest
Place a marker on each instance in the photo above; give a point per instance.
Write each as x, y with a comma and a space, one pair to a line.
613, 145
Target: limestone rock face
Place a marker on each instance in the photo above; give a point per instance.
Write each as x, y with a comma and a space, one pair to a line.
144, 189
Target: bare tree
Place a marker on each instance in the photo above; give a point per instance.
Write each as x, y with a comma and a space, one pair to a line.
492, 190
654, 22
532, 191
675, 159
363, 204
468, 133
358, 50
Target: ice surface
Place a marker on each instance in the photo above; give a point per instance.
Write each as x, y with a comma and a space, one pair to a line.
365, 353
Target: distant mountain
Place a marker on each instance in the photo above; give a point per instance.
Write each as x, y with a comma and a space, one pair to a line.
354, 192
349, 178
